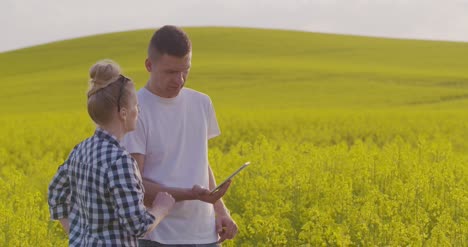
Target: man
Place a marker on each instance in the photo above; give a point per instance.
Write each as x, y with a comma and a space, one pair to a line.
170, 145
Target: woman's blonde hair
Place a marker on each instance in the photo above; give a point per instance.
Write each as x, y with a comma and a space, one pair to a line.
108, 91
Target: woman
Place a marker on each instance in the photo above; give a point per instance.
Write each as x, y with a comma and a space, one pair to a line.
97, 194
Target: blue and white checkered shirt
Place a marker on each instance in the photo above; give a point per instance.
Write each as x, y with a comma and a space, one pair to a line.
99, 189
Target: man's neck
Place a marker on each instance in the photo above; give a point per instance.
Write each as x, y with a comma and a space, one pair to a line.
157, 92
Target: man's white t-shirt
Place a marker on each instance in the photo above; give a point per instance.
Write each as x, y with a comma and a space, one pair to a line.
173, 135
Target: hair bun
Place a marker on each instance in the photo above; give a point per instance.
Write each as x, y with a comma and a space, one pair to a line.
102, 74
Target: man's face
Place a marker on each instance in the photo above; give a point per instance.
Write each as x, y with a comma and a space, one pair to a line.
168, 74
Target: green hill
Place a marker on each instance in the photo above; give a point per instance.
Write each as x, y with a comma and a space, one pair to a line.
254, 68
354, 141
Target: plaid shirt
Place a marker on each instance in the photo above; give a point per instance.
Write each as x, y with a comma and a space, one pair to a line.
99, 189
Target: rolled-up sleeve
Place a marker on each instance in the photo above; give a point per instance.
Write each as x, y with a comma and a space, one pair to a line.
59, 193
126, 189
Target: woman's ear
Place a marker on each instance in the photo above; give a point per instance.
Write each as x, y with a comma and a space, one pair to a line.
123, 113
148, 64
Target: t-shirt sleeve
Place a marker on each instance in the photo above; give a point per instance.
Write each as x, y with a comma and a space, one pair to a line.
213, 127
135, 141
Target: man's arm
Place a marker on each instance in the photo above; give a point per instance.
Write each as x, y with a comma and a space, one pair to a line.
219, 207
153, 188
225, 225
179, 194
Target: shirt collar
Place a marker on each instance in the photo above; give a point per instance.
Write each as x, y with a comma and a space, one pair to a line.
106, 136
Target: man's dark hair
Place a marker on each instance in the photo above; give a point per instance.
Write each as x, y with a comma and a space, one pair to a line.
169, 40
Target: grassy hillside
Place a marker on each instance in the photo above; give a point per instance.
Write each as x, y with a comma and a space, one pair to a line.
252, 68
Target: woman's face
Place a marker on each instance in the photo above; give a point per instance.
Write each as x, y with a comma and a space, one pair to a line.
132, 111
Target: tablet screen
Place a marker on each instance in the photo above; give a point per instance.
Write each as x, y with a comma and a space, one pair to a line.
231, 176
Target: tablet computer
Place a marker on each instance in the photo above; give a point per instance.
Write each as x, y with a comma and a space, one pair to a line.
231, 176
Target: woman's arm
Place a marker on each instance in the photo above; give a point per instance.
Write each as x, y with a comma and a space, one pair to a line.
59, 195
126, 189
65, 224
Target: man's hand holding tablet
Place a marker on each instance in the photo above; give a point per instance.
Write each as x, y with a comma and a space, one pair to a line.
214, 195
230, 177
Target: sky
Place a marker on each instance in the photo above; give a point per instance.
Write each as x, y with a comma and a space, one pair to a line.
26, 23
